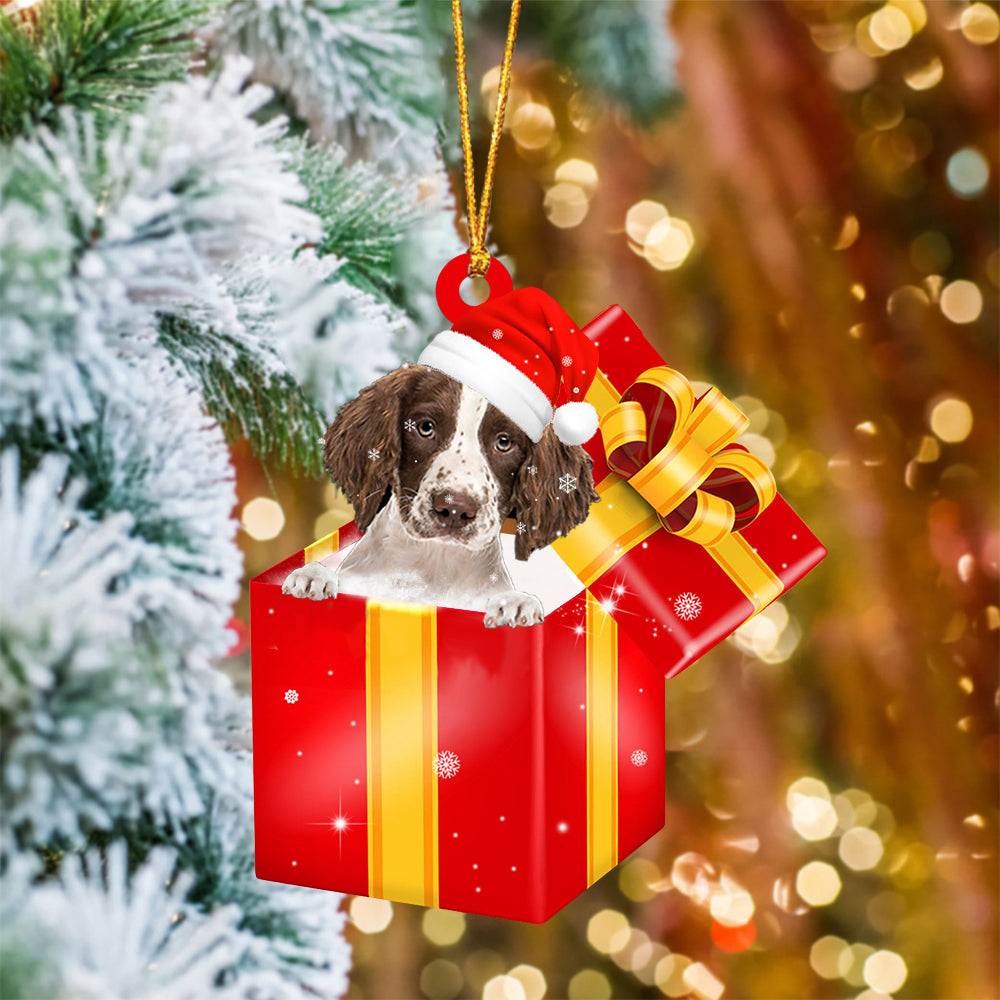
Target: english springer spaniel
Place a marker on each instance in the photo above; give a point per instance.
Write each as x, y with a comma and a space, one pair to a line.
433, 470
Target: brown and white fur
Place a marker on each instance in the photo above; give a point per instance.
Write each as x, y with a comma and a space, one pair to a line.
432, 470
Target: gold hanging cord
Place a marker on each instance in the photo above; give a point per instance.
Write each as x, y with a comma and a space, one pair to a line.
480, 256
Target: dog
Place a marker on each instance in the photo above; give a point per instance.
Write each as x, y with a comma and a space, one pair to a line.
432, 470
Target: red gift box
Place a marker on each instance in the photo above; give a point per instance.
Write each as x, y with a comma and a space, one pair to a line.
675, 597
404, 752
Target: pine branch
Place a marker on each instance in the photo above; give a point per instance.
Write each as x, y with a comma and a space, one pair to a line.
365, 215
356, 70
249, 400
103, 56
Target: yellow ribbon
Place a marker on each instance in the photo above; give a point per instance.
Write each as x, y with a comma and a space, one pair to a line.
698, 447
633, 508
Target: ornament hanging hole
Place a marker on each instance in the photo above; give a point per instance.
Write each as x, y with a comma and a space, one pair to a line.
474, 291
454, 283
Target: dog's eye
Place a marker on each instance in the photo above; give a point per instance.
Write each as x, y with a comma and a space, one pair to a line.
504, 443
426, 428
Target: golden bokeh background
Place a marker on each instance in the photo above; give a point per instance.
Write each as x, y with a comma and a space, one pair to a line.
814, 230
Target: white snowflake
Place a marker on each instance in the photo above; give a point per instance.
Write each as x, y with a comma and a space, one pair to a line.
521, 527
567, 483
532, 470
687, 606
291, 696
639, 758
567, 360
497, 334
410, 426
446, 764
449, 498
373, 453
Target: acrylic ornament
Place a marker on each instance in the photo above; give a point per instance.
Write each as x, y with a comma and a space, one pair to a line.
403, 753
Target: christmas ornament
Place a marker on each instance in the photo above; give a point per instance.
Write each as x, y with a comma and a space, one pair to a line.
400, 756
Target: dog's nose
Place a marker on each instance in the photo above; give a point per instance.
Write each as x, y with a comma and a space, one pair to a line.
453, 510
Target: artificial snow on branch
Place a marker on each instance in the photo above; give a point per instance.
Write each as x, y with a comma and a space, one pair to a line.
355, 70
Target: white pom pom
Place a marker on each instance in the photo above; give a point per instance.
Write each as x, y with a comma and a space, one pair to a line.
575, 423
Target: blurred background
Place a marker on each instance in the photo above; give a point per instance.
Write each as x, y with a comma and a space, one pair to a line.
796, 202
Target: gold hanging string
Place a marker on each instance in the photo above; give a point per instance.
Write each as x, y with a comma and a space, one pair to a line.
480, 256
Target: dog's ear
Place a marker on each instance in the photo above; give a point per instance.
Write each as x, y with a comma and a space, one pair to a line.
361, 448
546, 510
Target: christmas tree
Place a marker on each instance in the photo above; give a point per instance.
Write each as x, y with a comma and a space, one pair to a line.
210, 222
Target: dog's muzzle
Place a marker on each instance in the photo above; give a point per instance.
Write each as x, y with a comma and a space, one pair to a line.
453, 513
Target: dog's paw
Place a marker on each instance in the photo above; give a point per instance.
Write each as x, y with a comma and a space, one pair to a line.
313, 580
513, 608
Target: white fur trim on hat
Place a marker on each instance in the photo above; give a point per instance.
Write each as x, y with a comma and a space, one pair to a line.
575, 423
493, 377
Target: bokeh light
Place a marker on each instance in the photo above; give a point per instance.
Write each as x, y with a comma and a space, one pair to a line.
829, 957
441, 979
980, 24
582, 173
925, 75
961, 301
443, 927
968, 172
532, 125
370, 915
531, 979
503, 988
889, 28
565, 205
860, 848
604, 928
951, 419
589, 984
885, 971
263, 519
818, 883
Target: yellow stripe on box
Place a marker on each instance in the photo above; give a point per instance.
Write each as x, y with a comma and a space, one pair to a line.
401, 697
759, 583
602, 741
324, 547
618, 523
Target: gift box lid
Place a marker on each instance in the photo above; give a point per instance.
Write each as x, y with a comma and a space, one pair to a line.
675, 597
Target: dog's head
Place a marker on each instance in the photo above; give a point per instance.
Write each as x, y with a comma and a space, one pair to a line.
456, 465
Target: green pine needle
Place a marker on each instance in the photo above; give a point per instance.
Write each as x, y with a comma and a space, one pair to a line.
101, 55
267, 408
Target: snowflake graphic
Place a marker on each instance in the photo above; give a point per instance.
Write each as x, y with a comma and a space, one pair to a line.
291, 696
639, 758
687, 606
410, 426
373, 453
532, 470
567, 483
567, 360
498, 334
446, 764
521, 527
449, 498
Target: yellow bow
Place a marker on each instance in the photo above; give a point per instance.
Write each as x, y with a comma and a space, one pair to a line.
698, 459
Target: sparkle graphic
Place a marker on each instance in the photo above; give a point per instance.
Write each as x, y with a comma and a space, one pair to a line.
449, 498
687, 606
497, 334
567, 361
639, 758
291, 696
446, 764
410, 425
339, 824
373, 453
567, 483
532, 470
521, 527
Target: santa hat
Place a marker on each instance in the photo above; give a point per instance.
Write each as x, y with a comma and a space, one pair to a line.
527, 357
